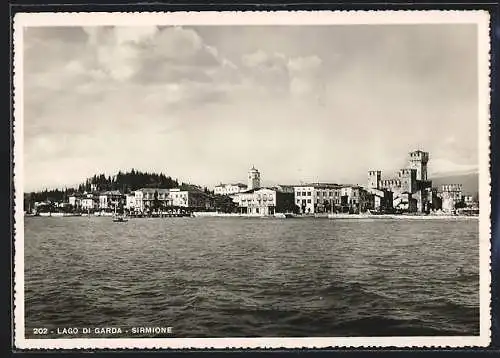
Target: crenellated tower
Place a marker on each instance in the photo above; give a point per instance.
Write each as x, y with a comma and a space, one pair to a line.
418, 160
374, 177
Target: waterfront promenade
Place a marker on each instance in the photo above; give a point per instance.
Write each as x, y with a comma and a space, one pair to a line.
212, 214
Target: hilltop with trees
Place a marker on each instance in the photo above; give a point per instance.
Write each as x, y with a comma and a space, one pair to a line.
125, 182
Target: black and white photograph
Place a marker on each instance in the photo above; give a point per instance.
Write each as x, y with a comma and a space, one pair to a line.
252, 180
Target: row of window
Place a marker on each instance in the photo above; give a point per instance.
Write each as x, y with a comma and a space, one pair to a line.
299, 201
244, 201
321, 193
259, 197
164, 196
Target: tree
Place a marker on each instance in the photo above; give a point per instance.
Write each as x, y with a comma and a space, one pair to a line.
156, 202
327, 206
225, 204
460, 205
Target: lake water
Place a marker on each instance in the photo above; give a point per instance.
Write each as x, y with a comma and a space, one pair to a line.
214, 277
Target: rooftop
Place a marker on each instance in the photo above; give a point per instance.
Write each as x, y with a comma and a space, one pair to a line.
241, 185
153, 190
320, 185
111, 192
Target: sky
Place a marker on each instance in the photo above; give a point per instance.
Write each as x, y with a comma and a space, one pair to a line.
204, 104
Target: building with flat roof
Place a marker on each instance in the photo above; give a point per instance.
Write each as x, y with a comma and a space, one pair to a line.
156, 199
317, 197
110, 199
230, 189
264, 201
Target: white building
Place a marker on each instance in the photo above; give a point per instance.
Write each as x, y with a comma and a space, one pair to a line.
148, 199
89, 201
179, 198
110, 199
317, 197
75, 200
130, 202
230, 189
264, 201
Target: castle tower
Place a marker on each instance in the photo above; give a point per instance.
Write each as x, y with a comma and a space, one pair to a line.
418, 160
408, 177
253, 179
374, 177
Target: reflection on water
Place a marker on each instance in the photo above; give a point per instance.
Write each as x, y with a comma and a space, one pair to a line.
213, 277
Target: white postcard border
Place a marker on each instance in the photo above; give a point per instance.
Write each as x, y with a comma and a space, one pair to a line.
481, 18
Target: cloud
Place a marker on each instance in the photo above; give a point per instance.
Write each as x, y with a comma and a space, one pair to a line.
299, 76
442, 166
151, 54
163, 98
304, 64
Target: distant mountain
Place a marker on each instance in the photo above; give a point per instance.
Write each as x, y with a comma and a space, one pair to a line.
469, 181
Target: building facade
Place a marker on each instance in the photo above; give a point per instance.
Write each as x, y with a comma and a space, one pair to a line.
380, 200
230, 189
355, 199
149, 199
317, 197
155, 199
264, 201
130, 202
89, 201
75, 201
110, 199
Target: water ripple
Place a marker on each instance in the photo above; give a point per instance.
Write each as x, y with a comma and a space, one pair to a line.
252, 277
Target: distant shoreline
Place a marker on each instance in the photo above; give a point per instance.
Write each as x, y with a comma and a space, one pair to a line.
283, 216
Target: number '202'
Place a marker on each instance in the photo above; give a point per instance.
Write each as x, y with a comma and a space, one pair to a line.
40, 331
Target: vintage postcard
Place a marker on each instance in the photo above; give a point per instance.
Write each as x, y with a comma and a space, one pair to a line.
252, 180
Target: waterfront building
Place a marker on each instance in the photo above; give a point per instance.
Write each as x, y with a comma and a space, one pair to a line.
130, 202
411, 188
451, 195
354, 198
470, 202
110, 199
179, 198
156, 199
253, 179
435, 200
230, 189
317, 197
265, 201
89, 201
149, 199
380, 200
75, 200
